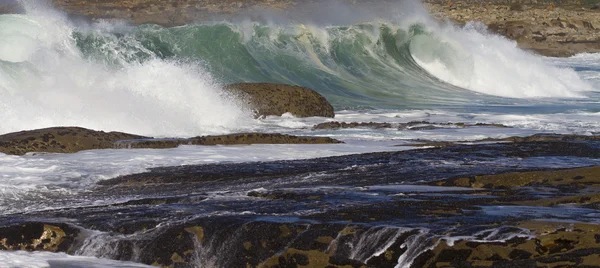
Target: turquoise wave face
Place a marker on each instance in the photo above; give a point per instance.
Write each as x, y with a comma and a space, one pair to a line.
371, 65
368, 65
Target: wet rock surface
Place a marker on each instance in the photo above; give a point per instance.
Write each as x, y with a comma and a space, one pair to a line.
589, 176
412, 125
74, 139
34, 236
489, 205
544, 137
550, 244
229, 139
60, 140
277, 99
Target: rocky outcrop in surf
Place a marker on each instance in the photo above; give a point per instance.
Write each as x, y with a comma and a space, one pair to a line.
276, 99
60, 140
228, 139
74, 139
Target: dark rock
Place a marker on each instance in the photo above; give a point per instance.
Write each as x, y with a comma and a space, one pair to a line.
586, 175
74, 139
546, 248
276, 99
350, 227
60, 140
38, 236
412, 125
229, 139
338, 125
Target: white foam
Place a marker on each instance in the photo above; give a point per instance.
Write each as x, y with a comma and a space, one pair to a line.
587, 64
23, 259
568, 122
472, 58
53, 85
27, 181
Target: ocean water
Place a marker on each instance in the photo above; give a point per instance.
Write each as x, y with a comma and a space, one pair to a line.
166, 82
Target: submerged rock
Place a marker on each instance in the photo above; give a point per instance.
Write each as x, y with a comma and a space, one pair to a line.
60, 140
277, 99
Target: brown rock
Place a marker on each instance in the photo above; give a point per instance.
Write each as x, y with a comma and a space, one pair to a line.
588, 25
556, 30
567, 245
338, 125
229, 139
60, 140
513, 30
583, 176
74, 139
276, 99
517, 7
413, 125
36, 236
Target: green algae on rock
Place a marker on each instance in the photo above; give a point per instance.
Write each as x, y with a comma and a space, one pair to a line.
276, 99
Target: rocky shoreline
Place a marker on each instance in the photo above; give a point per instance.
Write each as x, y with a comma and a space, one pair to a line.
560, 29
484, 215
528, 201
475, 215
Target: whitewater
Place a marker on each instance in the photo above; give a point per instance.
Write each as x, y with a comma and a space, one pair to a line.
167, 82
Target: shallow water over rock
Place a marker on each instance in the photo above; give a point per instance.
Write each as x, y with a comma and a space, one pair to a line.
389, 209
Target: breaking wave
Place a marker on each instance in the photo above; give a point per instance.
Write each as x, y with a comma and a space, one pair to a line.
154, 80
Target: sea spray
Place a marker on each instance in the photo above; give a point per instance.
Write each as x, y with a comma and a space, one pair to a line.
51, 82
161, 81
472, 58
